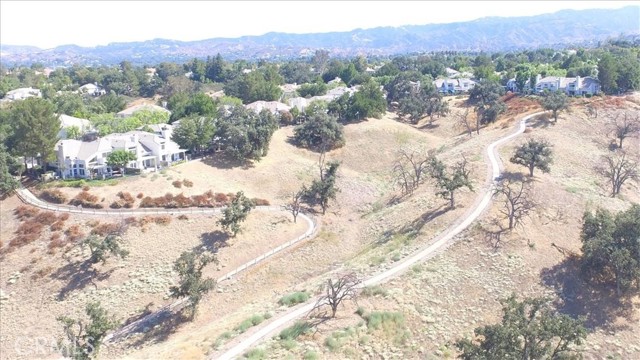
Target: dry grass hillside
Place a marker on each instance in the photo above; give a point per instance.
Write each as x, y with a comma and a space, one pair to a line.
368, 228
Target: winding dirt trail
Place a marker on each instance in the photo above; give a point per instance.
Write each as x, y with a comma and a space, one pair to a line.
444, 240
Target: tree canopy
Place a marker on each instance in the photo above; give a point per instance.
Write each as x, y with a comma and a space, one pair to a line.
535, 153
320, 131
530, 330
245, 134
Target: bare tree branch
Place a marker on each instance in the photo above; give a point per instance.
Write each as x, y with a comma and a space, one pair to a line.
517, 202
618, 169
344, 288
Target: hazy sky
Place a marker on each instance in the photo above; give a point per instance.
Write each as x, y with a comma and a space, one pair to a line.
48, 24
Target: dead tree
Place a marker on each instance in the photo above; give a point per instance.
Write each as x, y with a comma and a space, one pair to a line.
624, 125
344, 288
463, 121
617, 169
409, 169
517, 202
295, 202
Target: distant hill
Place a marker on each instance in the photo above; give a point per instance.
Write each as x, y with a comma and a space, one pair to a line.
577, 27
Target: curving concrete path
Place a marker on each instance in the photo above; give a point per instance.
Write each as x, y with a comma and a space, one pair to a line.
443, 240
312, 226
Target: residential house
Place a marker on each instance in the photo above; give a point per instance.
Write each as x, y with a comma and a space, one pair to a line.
454, 86
132, 109
67, 121
92, 89
570, 85
275, 107
22, 93
88, 159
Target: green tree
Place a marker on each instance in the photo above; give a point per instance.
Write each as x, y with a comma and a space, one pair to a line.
555, 101
7, 182
120, 159
324, 189
245, 134
195, 133
523, 73
535, 153
83, 340
367, 102
321, 131
608, 73
102, 247
263, 84
112, 103
191, 285
73, 132
35, 128
530, 330
235, 213
485, 97
610, 250
215, 68
449, 181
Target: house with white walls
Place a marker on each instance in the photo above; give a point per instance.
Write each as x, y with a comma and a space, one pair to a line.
88, 159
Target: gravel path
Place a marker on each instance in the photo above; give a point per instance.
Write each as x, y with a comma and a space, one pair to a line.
442, 241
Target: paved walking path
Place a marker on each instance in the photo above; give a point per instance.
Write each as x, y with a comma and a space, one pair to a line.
29, 198
442, 241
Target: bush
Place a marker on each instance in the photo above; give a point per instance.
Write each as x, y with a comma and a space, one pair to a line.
383, 319
86, 200
162, 220
183, 217
140, 195
246, 324
74, 233
63, 217
260, 202
177, 184
85, 188
294, 298
187, 183
23, 212
46, 217
57, 226
320, 130
294, 331
255, 354
53, 196
374, 290
101, 229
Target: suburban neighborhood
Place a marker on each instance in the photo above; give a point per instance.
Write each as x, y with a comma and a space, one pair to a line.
465, 189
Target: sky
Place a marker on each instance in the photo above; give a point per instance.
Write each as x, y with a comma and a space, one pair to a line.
47, 24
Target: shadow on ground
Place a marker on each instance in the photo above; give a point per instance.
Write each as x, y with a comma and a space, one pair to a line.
598, 304
221, 160
78, 275
213, 241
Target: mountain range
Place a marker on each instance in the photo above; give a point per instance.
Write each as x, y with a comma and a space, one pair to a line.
557, 30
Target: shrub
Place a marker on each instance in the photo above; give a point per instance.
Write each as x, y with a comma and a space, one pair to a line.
23, 212
383, 319
294, 331
101, 229
53, 196
63, 217
187, 183
162, 220
147, 202
177, 184
310, 355
247, 323
130, 221
74, 233
140, 195
260, 202
127, 197
115, 205
86, 200
221, 198
183, 217
39, 274
57, 226
294, 298
182, 201
374, 291
85, 188
255, 354
46, 217
55, 242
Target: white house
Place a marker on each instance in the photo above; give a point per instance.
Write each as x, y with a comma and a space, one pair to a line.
67, 121
132, 109
454, 86
88, 159
91, 89
22, 93
274, 107
570, 85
